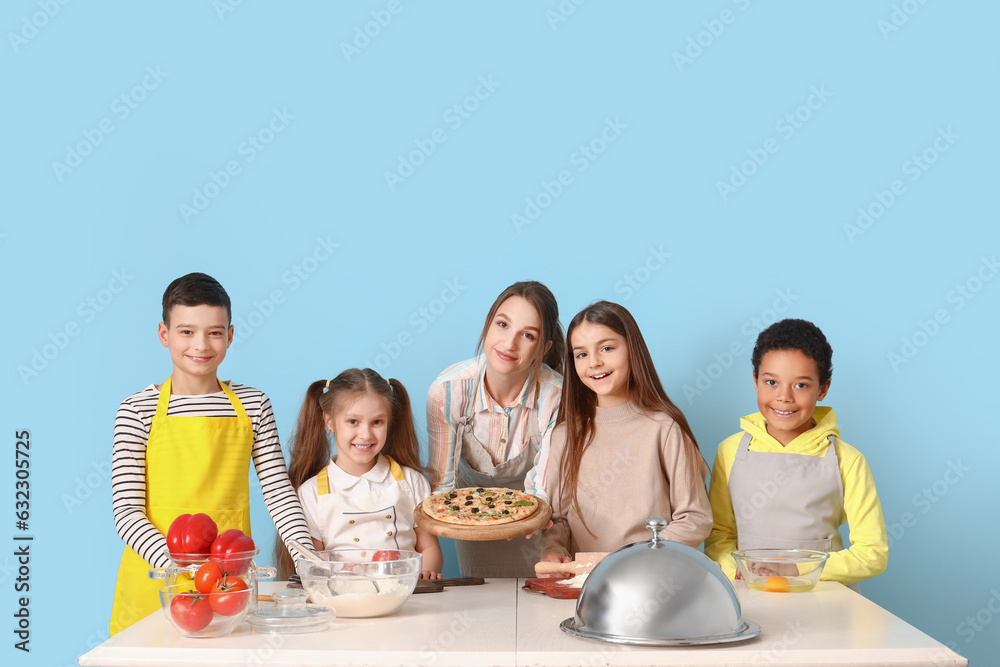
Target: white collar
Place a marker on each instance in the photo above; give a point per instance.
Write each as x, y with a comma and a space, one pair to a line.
341, 479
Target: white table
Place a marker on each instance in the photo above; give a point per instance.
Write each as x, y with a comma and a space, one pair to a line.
831, 625
499, 624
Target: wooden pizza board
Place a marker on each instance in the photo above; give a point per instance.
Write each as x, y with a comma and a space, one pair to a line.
501, 531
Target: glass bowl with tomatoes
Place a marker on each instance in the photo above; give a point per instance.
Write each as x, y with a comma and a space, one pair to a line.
212, 614
781, 570
361, 583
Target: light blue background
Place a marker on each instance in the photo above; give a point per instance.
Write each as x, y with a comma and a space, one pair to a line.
780, 238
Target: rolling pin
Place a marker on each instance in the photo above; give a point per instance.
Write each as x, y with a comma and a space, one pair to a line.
584, 562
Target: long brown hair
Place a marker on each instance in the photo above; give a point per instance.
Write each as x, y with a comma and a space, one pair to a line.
579, 404
542, 299
311, 445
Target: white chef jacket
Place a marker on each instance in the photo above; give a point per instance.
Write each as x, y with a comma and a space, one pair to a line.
374, 510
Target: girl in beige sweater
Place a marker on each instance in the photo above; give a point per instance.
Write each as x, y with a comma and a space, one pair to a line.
622, 451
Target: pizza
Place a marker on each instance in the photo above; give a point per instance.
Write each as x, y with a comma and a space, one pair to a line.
482, 506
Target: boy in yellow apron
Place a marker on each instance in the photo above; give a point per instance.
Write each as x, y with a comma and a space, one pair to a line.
185, 447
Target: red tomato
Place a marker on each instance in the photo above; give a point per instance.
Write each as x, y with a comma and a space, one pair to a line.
230, 596
190, 611
233, 541
208, 575
385, 555
191, 534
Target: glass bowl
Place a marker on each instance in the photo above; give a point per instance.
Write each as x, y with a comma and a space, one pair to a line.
781, 570
354, 585
192, 615
183, 567
290, 614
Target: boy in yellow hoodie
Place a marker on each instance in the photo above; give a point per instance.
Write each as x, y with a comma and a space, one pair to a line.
787, 480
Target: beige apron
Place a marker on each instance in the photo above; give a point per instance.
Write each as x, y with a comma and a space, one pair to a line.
193, 465
499, 558
803, 511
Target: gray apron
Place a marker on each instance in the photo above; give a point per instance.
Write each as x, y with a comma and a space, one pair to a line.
787, 501
498, 558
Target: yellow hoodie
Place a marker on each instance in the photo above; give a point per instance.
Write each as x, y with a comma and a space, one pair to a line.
869, 550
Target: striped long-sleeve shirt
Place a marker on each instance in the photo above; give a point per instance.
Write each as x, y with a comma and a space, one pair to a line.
128, 465
503, 430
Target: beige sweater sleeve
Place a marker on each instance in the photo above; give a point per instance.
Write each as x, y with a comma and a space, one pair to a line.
691, 517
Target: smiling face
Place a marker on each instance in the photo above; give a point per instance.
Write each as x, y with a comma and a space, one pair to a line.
197, 337
360, 427
512, 340
788, 388
600, 356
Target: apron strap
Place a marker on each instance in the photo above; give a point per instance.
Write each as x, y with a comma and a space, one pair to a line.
830, 451
237, 406
397, 472
163, 402
745, 441
323, 482
743, 449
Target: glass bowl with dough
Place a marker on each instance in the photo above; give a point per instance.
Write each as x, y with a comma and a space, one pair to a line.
361, 583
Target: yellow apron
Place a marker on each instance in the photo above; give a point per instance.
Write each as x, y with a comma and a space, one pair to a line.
193, 464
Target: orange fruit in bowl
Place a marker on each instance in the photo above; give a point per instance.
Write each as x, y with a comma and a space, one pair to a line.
776, 585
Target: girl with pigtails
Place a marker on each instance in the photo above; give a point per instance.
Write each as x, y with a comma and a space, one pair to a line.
365, 495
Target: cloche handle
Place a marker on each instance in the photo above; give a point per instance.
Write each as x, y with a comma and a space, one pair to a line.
655, 524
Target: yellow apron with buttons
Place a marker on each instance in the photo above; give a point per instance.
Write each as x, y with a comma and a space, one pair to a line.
373, 513
193, 464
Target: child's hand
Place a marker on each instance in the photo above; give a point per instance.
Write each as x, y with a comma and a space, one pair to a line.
427, 574
555, 558
774, 569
